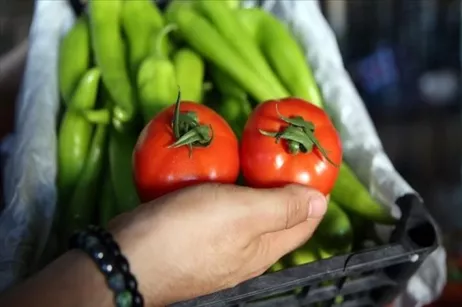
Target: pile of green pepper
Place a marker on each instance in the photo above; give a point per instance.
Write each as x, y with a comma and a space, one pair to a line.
123, 61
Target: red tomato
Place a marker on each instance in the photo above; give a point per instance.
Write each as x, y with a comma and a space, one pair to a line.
267, 163
160, 169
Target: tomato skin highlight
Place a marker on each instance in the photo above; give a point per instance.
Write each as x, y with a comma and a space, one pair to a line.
159, 170
266, 164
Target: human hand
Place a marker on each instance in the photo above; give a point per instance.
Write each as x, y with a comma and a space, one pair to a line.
210, 237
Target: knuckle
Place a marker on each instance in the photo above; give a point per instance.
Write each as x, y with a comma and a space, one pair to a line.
231, 189
207, 187
211, 190
295, 211
300, 190
204, 193
216, 190
226, 201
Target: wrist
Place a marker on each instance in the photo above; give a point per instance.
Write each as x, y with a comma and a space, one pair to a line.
85, 271
73, 278
143, 265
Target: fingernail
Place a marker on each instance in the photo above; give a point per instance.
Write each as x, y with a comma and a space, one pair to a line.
318, 206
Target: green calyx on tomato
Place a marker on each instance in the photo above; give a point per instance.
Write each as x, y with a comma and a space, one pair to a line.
299, 135
188, 131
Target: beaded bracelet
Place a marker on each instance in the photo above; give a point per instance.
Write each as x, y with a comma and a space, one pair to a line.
105, 252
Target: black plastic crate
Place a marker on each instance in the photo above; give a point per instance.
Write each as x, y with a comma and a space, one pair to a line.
372, 277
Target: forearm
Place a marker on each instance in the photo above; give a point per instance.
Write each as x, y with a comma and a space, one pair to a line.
71, 280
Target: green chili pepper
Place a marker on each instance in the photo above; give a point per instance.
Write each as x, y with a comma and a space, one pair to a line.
233, 4
121, 145
305, 254
81, 210
352, 196
225, 84
189, 71
227, 23
109, 50
101, 116
75, 133
282, 52
204, 38
157, 85
74, 58
141, 19
234, 104
364, 230
335, 232
277, 267
167, 47
234, 111
107, 203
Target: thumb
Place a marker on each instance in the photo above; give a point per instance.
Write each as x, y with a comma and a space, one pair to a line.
283, 208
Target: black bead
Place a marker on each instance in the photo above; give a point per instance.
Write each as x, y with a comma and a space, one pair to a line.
90, 242
130, 282
138, 300
98, 252
122, 263
116, 282
107, 267
107, 237
124, 299
114, 248
101, 232
93, 228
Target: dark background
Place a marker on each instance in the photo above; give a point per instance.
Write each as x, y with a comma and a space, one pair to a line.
405, 59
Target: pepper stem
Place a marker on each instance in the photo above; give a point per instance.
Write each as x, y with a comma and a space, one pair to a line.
299, 135
187, 129
162, 36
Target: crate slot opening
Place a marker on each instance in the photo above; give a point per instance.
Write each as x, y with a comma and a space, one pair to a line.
286, 298
423, 235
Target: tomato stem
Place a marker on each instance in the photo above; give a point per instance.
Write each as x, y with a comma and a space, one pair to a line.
299, 135
176, 117
188, 131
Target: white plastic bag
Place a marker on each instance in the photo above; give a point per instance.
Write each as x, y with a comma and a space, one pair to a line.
30, 172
